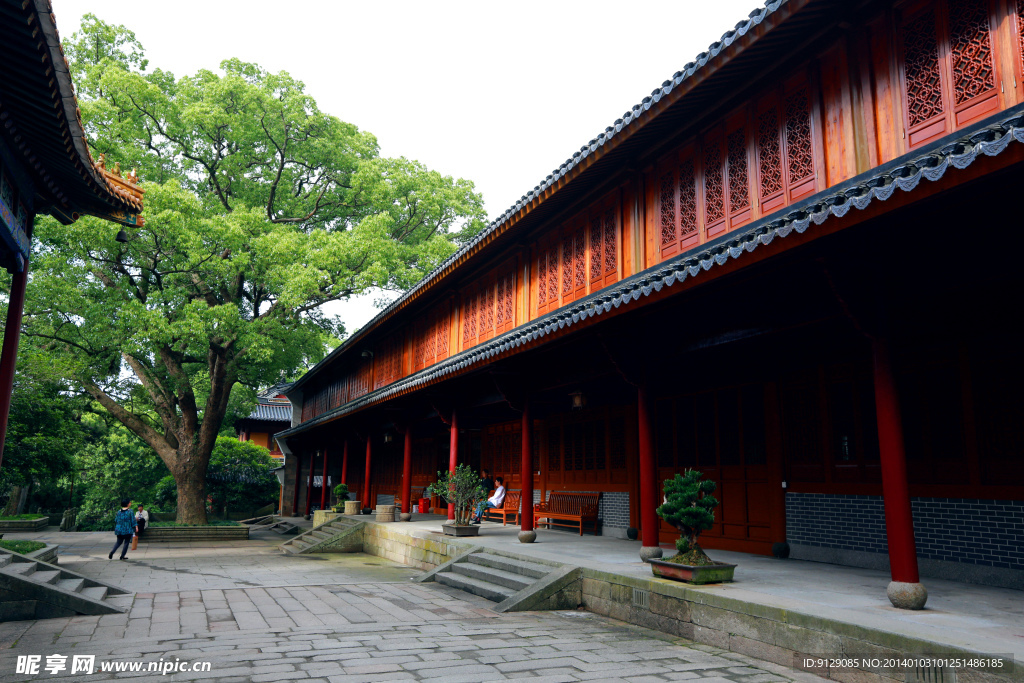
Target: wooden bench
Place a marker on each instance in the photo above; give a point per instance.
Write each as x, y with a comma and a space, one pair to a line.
509, 508
568, 507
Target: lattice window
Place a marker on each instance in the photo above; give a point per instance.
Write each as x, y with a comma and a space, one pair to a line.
499, 310
596, 248
554, 449
553, 276
487, 312
739, 194
687, 197
611, 259
418, 352
769, 153
471, 318
579, 259
799, 147
508, 300
714, 183
970, 49
542, 279
617, 443
442, 326
566, 264
668, 209
921, 58
1020, 32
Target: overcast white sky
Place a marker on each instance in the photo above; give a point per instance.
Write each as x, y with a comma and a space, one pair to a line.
500, 93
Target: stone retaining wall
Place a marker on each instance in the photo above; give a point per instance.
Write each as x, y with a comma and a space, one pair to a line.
22, 525
413, 547
165, 534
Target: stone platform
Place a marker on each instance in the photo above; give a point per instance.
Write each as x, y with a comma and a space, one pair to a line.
777, 610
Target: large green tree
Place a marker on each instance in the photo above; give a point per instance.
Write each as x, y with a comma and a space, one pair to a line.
260, 209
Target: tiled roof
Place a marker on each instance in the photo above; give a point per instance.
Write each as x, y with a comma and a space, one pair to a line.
272, 411
620, 125
959, 150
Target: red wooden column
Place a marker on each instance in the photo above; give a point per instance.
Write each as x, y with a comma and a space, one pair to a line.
344, 462
309, 486
9, 358
323, 484
905, 590
526, 532
298, 484
366, 482
648, 478
407, 476
453, 455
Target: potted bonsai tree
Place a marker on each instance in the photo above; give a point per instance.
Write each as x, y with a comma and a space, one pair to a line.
341, 494
690, 508
462, 490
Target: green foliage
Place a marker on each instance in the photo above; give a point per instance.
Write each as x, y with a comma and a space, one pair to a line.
23, 547
44, 427
689, 507
259, 209
461, 489
22, 516
341, 491
241, 476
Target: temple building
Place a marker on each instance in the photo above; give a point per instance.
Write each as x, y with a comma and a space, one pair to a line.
273, 414
45, 163
791, 266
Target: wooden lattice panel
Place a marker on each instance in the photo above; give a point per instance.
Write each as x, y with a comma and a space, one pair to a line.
921, 64
970, 50
687, 198
799, 145
739, 193
714, 183
769, 154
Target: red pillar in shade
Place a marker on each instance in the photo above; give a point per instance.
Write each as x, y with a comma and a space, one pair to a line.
453, 455
298, 484
526, 533
407, 473
323, 484
9, 358
899, 522
366, 483
648, 478
309, 486
344, 462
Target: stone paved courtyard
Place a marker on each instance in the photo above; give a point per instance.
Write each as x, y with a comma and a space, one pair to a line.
257, 615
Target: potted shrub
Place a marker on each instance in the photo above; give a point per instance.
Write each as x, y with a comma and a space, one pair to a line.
690, 507
341, 495
462, 490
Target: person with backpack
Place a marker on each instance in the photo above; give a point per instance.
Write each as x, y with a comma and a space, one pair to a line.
124, 527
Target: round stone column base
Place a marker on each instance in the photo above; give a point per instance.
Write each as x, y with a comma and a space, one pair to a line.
405, 517
527, 536
907, 595
650, 552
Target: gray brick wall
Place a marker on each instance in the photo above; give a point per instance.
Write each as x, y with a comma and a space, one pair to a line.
987, 533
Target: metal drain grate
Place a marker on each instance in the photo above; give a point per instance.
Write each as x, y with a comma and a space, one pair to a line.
642, 599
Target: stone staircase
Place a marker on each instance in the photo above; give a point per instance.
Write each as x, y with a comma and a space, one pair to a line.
30, 589
516, 583
340, 535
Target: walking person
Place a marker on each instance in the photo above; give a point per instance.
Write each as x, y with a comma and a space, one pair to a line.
124, 527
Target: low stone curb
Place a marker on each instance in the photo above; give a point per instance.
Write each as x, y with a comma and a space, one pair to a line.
166, 534
16, 525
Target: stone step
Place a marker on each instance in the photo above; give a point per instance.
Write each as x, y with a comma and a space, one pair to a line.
5, 559
95, 592
73, 585
22, 568
300, 543
319, 535
46, 576
500, 577
484, 589
521, 567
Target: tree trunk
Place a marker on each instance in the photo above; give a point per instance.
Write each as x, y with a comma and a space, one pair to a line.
191, 483
13, 501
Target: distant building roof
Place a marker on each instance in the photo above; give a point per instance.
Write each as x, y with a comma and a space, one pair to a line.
272, 410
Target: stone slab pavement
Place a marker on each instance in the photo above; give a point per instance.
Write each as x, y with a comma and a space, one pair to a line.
255, 616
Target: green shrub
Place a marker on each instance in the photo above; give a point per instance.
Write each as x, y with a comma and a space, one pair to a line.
690, 508
23, 547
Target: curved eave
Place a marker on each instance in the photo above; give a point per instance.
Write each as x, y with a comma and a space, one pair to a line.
959, 151
733, 43
39, 115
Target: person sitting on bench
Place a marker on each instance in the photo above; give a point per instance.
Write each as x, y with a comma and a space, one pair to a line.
495, 501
